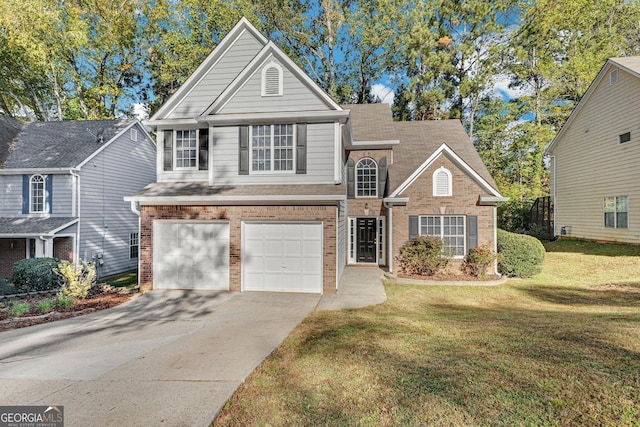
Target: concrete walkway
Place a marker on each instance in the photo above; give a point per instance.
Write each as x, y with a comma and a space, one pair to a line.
164, 358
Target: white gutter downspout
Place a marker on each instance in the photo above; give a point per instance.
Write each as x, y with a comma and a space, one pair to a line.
76, 196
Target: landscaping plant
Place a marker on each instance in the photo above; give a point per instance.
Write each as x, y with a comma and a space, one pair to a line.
18, 308
36, 274
422, 256
478, 260
520, 255
46, 305
64, 301
77, 279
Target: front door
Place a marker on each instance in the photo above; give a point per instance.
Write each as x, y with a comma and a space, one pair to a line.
366, 248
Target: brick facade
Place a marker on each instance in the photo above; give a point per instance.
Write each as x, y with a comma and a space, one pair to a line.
235, 215
11, 251
63, 248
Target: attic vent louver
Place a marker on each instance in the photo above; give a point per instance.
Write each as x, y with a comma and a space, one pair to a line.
272, 80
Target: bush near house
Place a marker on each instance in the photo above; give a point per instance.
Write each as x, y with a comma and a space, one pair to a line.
77, 279
36, 274
478, 260
520, 255
422, 256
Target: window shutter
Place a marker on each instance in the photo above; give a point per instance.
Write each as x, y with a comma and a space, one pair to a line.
351, 179
301, 148
243, 153
203, 149
382, 176
48, 187
168, 150
413, 227
25, 194
472, 231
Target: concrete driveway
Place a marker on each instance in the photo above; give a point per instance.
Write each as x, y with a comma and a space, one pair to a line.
164, 358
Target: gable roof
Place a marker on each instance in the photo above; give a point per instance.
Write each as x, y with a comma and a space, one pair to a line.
371, 122
9, 129
629, 64
62, 144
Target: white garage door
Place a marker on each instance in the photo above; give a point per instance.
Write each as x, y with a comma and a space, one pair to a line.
282, 257
191, 255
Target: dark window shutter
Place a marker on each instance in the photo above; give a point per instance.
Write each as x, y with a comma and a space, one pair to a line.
168, 150
243, 155
301, 148
48, 187
472, 231
382, 176
25, 194
413, 226
203, 149
351, 179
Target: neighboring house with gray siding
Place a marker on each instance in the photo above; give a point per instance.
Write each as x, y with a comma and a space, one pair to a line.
63, 185
265, 183
594, 159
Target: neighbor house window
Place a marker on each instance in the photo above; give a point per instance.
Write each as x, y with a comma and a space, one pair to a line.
272, 148
616, 212
186, 149
366, 178
451, 229
442, 182
133, 245
625, 137
36, 194
272, 80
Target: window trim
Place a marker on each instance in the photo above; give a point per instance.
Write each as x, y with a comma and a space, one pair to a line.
375, 180
134, 242
464, 232
449, 182
615, 212
175, 150
43, 195
272, 171
265, 69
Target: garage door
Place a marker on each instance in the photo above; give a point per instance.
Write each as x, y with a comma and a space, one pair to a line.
191, 255
282, 257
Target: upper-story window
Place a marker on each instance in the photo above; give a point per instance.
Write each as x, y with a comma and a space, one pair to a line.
442, 182
272, 148
36, 194
186, 149
272, 80
366, 178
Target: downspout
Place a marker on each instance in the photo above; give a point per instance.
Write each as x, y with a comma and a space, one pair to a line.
555, 184
389, 207
76, 212
136, 211
495, 239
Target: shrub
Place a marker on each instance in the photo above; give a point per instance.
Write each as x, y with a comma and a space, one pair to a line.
64, 302
77, 279
36, 274
478, 260
6, 288
422, 256
520, 255
45, 305
18, 308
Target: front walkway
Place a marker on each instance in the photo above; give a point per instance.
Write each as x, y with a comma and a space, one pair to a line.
359, 287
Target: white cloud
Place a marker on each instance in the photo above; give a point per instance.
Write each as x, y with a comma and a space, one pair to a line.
501, 88
140, 111
386, 94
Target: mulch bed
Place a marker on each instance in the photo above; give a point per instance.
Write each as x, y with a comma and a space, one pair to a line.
447, 277
94, 302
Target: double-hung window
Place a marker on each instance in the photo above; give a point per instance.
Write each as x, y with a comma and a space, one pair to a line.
451, 229
186, 149
616, 212
133, 245
272, 148
36, 194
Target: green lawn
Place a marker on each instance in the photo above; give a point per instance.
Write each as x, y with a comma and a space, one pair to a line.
562, 348
125, 279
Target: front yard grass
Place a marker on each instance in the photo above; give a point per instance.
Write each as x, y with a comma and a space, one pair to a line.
561, 348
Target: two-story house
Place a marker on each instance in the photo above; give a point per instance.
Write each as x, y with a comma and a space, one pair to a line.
594, 159
63, 185
265, 183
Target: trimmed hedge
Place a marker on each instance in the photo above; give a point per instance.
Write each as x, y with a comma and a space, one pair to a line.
36, 274
521, 255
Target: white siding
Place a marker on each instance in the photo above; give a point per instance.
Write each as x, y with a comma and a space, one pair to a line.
320, 159
122, 169
591, 164
296, 96
11, 195
218, 77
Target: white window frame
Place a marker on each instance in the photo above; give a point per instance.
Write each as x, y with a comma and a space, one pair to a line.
134, 241
43, 195
358, 182
615, 211
265, 69
272, 148
175, 149
442, 236
449, 191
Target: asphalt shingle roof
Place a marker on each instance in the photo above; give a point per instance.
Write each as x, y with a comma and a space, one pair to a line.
62, 144
32, 225
178, 189
630, 62
371, 122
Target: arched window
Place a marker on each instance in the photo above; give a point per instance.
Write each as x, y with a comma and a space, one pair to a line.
442, 182
36, 194
366, 178
272, 80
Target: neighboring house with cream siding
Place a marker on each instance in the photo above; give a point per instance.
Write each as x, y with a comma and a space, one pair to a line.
594, 158
266, 184
63, 186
